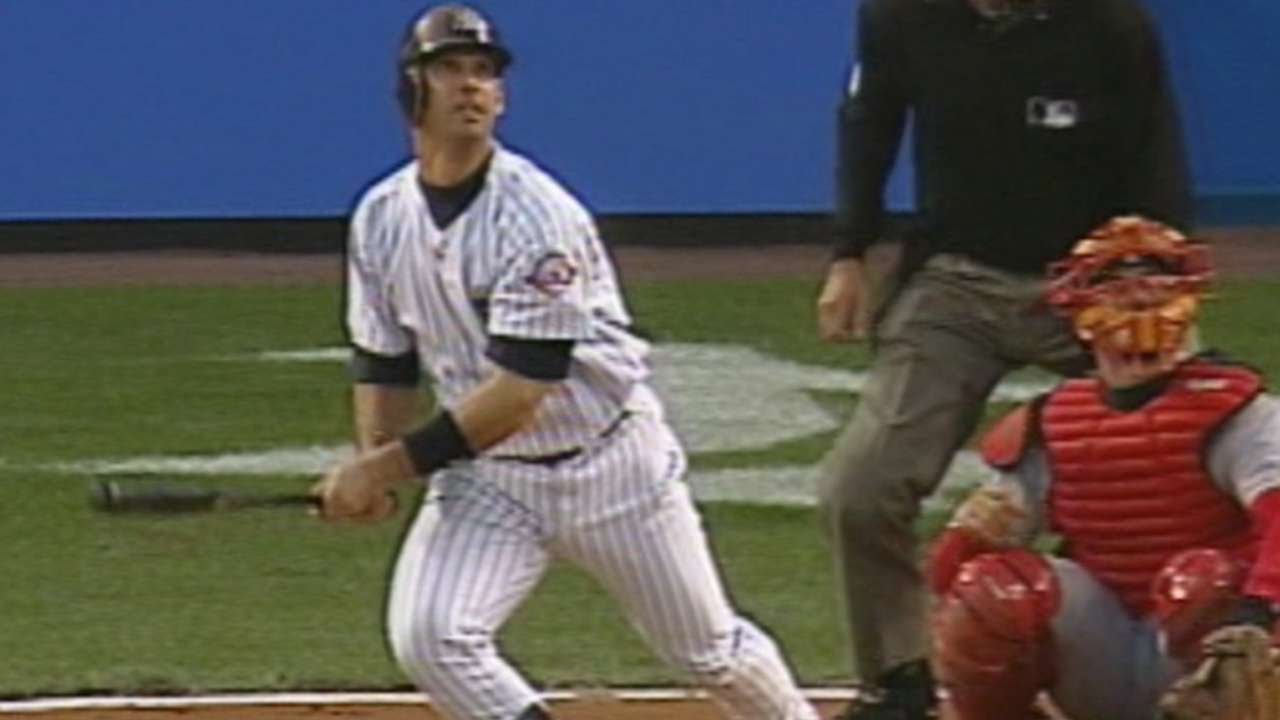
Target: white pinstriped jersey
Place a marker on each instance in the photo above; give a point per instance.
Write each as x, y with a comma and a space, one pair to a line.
524, 260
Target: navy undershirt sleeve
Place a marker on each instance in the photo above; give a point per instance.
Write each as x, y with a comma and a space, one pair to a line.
546, 360
375, 369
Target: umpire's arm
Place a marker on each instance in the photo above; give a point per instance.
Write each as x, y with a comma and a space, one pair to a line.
871, 120
1158, 183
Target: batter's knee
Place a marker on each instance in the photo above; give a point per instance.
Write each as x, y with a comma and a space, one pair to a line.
1192, 594
432, 644
710, 663
992, 634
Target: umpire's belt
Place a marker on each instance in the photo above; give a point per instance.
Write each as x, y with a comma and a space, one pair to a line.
571, 453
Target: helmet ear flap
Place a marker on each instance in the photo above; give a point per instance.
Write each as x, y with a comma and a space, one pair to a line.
411, 92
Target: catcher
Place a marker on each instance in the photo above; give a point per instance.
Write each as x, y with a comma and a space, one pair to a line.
1160, 478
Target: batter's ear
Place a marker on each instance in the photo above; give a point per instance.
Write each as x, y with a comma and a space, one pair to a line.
501, 92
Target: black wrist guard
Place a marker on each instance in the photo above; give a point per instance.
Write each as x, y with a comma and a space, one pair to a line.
436, 444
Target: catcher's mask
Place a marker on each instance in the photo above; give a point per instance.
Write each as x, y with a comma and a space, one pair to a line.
448, 28
1132, 287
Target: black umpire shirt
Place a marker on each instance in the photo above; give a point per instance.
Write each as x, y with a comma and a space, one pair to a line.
1027, 134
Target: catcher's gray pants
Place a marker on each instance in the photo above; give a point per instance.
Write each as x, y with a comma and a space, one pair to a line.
945, 341
1108, 664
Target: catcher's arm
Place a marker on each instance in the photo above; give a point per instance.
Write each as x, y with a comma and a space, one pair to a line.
993, 517
996, 512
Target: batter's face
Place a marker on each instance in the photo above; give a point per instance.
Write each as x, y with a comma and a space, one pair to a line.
465, 96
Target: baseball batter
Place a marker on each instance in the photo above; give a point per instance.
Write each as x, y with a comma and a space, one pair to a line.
1162, 477
472, 264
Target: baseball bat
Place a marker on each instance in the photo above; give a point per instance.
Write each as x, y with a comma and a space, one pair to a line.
115, 496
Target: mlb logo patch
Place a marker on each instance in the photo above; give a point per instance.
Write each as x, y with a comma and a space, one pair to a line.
1052, 114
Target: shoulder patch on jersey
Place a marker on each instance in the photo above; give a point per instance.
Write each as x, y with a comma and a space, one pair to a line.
1007, 441
553, 273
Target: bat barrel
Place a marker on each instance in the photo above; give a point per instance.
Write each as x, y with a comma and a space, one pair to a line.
115, 497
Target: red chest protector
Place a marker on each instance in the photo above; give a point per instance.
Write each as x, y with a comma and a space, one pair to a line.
1130, 489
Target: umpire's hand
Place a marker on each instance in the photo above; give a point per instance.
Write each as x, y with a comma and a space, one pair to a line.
842, 296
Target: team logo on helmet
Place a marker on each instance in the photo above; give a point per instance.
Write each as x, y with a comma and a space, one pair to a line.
469, 24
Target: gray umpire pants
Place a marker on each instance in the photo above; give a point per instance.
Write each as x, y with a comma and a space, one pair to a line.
943, 343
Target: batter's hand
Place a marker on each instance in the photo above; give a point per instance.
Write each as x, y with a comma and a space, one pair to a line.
843, 294
359, 490
997, 513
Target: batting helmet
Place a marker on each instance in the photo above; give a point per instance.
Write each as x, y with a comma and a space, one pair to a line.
1132, 286
437, 31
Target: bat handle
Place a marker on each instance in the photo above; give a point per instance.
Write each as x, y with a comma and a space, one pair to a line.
314, 502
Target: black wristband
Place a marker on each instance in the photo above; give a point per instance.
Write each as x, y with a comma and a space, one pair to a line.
1255, 611
436, 444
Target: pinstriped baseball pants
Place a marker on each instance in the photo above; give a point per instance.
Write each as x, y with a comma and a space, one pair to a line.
487, 533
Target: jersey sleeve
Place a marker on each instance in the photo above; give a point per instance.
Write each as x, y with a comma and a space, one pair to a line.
871, 122
1244, 456
371, 322
1157, 179
542, 289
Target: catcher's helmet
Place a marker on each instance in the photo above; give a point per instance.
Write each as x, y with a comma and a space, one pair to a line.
437, 31
1132, 286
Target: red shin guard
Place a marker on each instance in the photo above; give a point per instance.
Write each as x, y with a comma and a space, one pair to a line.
992, 632
1194, 593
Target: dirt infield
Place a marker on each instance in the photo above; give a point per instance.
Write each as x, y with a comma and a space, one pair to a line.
579, 710
1243, 252
195, 267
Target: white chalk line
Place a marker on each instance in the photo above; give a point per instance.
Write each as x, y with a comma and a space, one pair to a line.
142, 702
764, 401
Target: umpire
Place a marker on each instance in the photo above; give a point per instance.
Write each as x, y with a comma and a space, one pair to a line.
1034, 122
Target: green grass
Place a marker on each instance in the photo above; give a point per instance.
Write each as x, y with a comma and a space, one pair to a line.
258, 600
